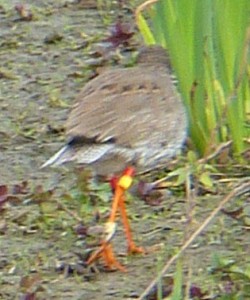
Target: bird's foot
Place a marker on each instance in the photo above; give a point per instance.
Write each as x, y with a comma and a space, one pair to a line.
133, 249
105, 251
110, 260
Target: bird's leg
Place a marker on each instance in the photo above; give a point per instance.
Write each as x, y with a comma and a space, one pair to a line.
110, 259
106, 251
119, 186
132, 248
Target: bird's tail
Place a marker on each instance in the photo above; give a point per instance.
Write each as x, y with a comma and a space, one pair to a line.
62, 156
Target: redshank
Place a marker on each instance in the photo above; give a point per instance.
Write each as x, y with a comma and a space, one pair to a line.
125, 119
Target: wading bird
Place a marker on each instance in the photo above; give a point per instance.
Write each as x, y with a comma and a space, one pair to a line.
125, 119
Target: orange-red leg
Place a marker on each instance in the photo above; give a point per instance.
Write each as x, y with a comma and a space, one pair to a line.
118, 194
132, 248
106, 251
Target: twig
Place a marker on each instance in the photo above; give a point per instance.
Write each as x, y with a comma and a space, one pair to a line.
141, 7
71, 213
217, 152
242, 189
213, 155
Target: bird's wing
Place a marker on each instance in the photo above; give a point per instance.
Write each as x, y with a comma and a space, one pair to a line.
127, 106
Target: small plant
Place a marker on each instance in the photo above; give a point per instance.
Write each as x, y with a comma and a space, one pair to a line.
233, 280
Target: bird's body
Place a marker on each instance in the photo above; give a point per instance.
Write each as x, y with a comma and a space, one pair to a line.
126, 116
123, 117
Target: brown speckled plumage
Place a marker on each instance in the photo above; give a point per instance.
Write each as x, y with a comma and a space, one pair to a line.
126, 116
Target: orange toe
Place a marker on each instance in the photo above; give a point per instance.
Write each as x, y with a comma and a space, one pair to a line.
105, 252
110, 260
133, 249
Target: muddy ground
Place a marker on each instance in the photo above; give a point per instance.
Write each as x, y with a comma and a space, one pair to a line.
42, 67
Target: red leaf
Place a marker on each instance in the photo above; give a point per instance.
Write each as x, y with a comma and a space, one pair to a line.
3, 190
121, 33
3, 195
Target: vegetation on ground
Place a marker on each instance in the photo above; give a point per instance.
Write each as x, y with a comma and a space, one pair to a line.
197, 233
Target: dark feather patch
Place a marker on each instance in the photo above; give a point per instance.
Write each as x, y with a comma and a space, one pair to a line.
83, 140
